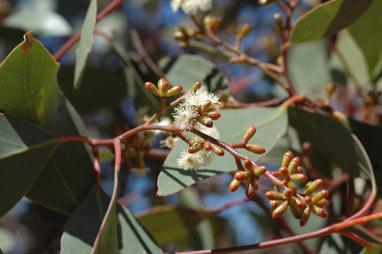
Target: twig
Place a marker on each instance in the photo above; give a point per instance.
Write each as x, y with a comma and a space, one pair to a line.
144, 55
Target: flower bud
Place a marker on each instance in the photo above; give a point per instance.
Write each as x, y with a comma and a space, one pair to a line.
308, 200
249, 165
293, 165
249, 134
274, 203
255, 148
298, 178
211, 23
292, 186
196, 86
217, 150
305, 216
174, 90
152, 88
235, 184
296, 212
205, 121
300, 170
307, 148
196, 147
313, 186
286, 159
319, 211
245, 29
323, 202
284, 173
322, 194
250, 188
280, 210
288, 193
297, 202
213, 115
180, 34
274, 195
207, 146
260, 170
163, 87
241, 175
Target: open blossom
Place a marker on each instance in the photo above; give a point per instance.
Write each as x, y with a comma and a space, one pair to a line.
184, 116
189, 161
191, 6
201, 97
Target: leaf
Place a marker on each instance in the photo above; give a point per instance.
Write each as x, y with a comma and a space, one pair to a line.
327, 19
366, 31
21, 142
308, 67
83, 225
271, 124
42, 21
86, 42
172, 224
353, 57
371, 138
329, 136
97, 94
373, 249
187, 69
28, 75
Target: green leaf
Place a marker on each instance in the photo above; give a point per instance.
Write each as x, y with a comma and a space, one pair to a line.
86, 42
354, 59
40, 20
28, 91
310, 75
373, 249
172, 224
21, 142
187, 69
83, 225
366, 31
97, 94
329, 136
271, 124
327, 19
371, 138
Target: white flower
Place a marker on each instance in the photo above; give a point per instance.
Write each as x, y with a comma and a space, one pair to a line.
184, 116
212, 132
200, 98
190, 160
192, 6
169, 142
176, 4
207, 157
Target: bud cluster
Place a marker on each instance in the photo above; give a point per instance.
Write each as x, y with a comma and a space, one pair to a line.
301, 205
163, 88
250, 175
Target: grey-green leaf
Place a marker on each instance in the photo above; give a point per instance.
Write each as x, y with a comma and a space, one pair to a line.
83, 225
86, 42
327, 19
271, 124
367, 32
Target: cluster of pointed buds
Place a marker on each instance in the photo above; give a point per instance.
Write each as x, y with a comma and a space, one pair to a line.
301, 205
250, 175
183, 35
254, 148
163, 89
